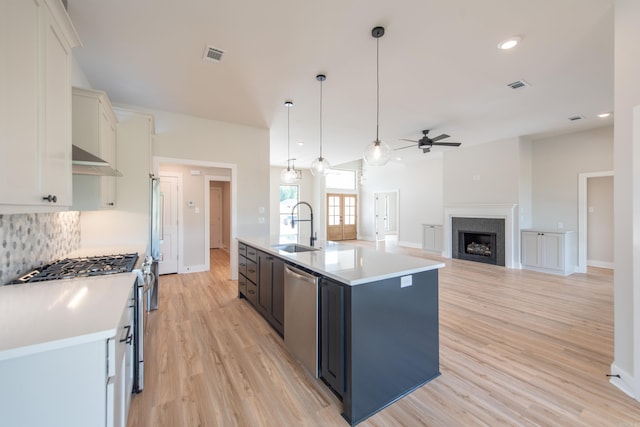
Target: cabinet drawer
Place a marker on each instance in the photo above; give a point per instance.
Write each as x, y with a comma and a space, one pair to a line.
242, 265
252, 254
252, 271
242, 249
252, 293
242, 285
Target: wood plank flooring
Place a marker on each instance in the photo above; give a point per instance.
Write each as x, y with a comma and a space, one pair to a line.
517, 348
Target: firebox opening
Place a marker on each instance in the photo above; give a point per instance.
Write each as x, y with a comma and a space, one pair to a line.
477, 246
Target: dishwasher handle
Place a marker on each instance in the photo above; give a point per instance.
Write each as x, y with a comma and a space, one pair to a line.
300, 275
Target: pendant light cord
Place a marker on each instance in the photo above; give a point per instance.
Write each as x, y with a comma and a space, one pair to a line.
321, 118
288, 137
377, 88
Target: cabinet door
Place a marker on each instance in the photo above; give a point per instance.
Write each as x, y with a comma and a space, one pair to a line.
553, 250
55, 156
332, 334
277, 295
108, 153
19, 97
265, 269
530, 250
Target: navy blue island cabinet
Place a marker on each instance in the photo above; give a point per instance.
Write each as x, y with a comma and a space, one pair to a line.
378, 341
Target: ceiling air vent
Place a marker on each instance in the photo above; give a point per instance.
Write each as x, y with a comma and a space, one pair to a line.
212, 54
518, 84
574, 118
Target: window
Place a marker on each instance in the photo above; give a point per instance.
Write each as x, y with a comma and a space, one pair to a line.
341, 179
288, 198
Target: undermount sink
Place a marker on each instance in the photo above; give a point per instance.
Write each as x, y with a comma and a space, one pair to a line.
293, 247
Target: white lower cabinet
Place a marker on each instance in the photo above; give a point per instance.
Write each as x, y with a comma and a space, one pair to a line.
81, 385
432, 237
549, 251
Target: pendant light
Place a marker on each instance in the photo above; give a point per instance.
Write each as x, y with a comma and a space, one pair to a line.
377, 152
320, 166
289, 174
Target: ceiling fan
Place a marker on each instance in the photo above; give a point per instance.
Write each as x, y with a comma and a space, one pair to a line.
425, 143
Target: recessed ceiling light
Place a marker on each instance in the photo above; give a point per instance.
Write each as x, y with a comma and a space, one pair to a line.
509, 43
300, 143
604, 115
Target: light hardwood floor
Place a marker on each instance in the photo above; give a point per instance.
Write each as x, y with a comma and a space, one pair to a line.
517, 348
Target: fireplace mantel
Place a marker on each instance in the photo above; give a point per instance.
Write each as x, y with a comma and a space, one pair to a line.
499, 211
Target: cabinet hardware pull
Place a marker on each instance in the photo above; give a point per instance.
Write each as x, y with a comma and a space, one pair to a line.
51, 199
111, 204
129, 337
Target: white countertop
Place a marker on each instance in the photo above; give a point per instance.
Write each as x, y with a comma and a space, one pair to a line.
45, 316
348, 264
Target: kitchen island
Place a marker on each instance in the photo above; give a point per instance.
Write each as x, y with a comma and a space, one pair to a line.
378, 317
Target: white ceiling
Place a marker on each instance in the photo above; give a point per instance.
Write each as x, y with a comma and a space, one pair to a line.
440, 68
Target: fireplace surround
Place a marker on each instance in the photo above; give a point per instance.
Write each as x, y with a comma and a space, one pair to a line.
506, 212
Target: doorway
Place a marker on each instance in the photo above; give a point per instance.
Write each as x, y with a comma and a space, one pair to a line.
597, 195
342, 218
215, 217
385, 212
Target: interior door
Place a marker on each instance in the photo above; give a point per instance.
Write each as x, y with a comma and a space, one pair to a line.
168, 225
215, 218
342, 217
381, 219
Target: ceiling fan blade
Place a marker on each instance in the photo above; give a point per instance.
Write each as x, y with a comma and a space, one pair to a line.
410, 140
402, 148
449, 144
439, 137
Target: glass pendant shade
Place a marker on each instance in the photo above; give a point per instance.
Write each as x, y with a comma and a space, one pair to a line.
320, 167
288, 175
377, 153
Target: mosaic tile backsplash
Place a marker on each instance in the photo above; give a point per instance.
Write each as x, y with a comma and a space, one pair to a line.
31, 240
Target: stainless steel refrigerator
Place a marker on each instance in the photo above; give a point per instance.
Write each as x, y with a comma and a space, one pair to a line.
154, 240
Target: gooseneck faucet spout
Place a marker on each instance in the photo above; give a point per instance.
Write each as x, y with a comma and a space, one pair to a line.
312, 239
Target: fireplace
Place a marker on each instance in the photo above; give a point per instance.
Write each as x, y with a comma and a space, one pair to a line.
477, 246
478, 239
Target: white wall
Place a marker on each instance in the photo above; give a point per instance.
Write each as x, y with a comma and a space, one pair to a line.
557, 161
525, 206
483, 174
626, 199
419, 184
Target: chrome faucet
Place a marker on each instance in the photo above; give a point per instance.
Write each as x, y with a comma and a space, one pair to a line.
312, 239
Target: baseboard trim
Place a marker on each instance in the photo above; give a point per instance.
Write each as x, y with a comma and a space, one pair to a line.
194, 269
600, 264
625, 382
410, 244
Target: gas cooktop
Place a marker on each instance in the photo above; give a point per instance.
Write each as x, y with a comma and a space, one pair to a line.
81, 267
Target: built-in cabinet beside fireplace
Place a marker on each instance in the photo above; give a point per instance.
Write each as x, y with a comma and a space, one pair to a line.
549, 251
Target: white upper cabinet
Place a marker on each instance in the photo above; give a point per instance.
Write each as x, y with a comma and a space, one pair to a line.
94, 130
35, 106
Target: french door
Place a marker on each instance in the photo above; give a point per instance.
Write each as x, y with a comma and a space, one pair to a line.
342, 218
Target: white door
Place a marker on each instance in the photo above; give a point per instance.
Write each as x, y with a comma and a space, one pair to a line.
168, 225
215, 218
381, 211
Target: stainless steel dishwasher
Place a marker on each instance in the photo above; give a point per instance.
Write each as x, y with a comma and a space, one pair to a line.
301, 317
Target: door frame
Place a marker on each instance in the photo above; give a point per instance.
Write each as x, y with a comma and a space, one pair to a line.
342, 196
582, 216
233, 252
397, 213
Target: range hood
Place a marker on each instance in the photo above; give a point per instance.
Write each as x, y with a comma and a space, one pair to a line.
85, 163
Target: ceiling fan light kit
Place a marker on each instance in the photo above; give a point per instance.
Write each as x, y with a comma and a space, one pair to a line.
320, 166
289, 174
509, 43
377, 153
